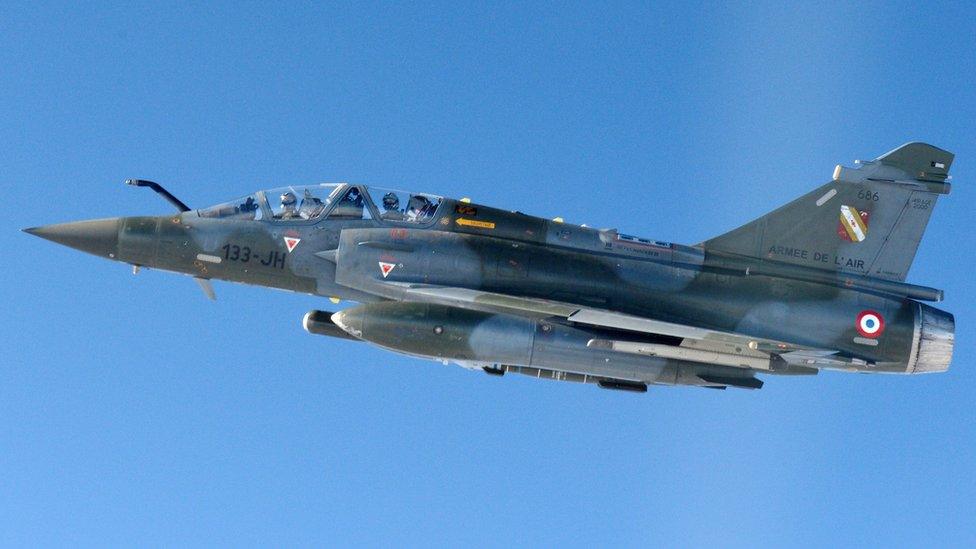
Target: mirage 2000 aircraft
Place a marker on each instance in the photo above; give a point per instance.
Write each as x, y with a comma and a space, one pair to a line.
816, 284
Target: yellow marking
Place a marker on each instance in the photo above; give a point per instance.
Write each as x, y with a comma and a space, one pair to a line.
465, 200
334, 299
557, 219
475, 223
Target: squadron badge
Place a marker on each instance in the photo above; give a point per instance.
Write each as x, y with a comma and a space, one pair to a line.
853, 225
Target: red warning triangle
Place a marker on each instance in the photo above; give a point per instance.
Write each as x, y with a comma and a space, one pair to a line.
291, 242
386, 268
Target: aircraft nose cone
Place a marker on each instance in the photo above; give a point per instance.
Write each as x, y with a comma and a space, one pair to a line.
99, 236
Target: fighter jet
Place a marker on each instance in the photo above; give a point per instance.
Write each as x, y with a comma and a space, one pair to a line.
817, 284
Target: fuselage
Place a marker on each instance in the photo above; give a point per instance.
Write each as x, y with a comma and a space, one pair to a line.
818, 283
472, 246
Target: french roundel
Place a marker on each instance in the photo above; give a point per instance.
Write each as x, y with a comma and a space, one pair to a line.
870, 324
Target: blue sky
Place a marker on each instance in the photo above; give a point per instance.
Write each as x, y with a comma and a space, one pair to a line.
130, 410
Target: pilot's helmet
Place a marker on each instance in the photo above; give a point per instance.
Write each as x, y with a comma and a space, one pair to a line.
391, 201
288, 199
418, 202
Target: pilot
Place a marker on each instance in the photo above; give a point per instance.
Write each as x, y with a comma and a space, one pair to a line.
288, 209
355, 199
391, 207
249, 209
350, 207
311, 206
418, 208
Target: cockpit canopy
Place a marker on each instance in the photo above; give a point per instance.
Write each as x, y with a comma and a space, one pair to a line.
306, 203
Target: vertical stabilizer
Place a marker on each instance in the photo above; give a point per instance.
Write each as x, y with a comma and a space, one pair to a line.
867, 221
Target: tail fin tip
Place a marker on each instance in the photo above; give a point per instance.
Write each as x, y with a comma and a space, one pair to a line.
919, 160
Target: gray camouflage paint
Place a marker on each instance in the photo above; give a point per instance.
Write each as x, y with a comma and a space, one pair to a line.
768, 279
